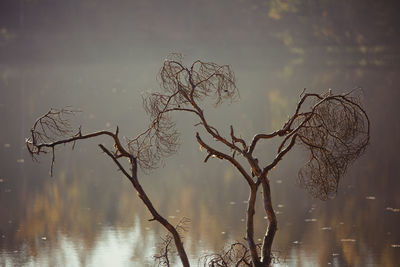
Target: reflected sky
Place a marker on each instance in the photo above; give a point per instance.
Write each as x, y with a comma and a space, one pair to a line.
99, 56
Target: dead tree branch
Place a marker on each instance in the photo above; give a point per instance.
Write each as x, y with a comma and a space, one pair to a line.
164, 247
237, 254
53, 129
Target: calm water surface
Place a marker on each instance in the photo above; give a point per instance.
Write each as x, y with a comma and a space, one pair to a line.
100, 56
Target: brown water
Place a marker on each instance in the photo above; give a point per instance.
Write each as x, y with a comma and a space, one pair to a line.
100, 55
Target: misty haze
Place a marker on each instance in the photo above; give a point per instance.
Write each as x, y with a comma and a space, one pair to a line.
104, 57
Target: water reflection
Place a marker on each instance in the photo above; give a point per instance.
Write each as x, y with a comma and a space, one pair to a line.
102, 59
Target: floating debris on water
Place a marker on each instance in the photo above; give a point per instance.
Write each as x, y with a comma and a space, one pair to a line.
392, 209
310, 220
341, 223
223, 233
370, 197
278, 181
297, 242
335, 254
232, 203
395, 245
280, 206
327, 228
171, 217
44, 238
20, 160
278, 212
347, 240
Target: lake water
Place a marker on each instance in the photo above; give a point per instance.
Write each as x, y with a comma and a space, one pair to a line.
99, 56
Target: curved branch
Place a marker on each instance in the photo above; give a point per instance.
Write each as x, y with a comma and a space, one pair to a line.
286, 127
211, 151
149, 205
279, 156
39, 146
237, 140
258, 137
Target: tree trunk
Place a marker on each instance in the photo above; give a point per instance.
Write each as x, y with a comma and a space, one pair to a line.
272, 227
250, 226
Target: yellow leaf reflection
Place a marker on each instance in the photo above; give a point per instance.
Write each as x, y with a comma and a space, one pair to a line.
280, 7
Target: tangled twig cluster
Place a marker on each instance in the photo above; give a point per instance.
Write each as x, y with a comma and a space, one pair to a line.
166, 247
237, 254
335, 132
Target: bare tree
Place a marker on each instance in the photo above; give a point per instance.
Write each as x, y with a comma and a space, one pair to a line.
146, 150
334, 129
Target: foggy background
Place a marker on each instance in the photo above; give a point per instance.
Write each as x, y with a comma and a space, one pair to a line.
100, 56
